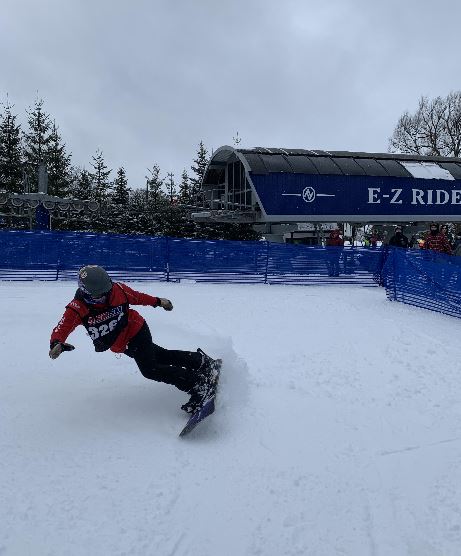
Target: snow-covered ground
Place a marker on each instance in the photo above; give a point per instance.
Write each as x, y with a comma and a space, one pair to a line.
337, 431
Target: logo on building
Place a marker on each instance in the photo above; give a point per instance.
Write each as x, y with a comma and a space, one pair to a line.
308, 194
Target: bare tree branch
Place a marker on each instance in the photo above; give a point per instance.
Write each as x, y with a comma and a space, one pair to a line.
434, 129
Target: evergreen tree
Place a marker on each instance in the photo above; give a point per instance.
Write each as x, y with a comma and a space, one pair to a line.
58, 165
201, 163
100, 178
118, 217
171, 188
184, 188
121, 192
11, 167
79, 188
154, 184
36, 142
240, 232
174, 222
137, 209
157, 201
82, 186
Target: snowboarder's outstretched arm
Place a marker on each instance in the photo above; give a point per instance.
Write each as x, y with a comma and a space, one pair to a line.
139, 298
68, 323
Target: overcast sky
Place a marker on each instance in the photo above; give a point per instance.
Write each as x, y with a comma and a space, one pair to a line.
146, 80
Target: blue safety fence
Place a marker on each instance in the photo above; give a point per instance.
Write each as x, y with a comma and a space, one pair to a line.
58, 256
426, 279
417, 277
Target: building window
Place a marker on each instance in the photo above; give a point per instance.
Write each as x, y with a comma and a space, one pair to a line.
427, 170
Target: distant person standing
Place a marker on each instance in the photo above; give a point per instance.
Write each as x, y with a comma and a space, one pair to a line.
457, 245
373, 240
444, 229
399, 239
334, 244
437, 241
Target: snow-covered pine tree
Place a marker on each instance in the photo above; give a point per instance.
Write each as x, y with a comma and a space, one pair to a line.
138, 212
201, 163
100, 178
154, 185
11, 167
240, 232
58, 165
36, 142
171, 187
101, 189
82, 186
121, 191
119, 220
174, 223
174, 216
157, 201
184, 188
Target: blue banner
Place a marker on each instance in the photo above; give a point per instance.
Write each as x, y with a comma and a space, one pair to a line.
357, 197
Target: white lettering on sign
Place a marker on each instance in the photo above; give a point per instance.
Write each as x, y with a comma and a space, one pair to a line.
456, 197
374, 192
395, 199
439, 194
437, 197
373, 195
417, 197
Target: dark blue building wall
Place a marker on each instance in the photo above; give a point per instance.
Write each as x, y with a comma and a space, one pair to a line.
358, 196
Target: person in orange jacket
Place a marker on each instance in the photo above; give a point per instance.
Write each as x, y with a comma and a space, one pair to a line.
103, 308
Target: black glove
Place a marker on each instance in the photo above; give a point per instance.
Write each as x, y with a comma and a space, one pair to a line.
56, 348
166, 304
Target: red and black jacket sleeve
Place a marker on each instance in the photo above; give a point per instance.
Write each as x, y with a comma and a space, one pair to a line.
138, 298
71, 318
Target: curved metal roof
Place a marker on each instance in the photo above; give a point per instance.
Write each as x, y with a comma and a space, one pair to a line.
302, 161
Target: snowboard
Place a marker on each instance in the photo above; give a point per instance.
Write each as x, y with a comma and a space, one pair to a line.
208, 406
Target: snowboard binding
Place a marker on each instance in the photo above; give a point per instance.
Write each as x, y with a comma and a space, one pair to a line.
205, 386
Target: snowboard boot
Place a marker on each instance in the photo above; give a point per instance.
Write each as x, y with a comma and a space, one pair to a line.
198, 394
195, 402
205, 381
208, 367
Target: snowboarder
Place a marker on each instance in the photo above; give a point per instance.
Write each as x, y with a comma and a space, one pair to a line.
103, 308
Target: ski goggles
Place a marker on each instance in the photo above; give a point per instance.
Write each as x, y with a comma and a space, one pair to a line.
90, 298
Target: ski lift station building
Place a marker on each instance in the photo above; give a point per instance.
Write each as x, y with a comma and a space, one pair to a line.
284, 190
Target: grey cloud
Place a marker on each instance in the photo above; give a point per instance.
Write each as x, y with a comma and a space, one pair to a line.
145, 81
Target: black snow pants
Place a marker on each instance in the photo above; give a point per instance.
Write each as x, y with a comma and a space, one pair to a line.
163, 365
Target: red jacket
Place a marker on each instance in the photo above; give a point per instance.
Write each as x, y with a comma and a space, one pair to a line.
438, 243
335, 240
77, 310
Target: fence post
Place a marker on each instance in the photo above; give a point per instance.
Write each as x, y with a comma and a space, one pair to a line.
151, 241
58, 260
394, 270
267, 262
167, 261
